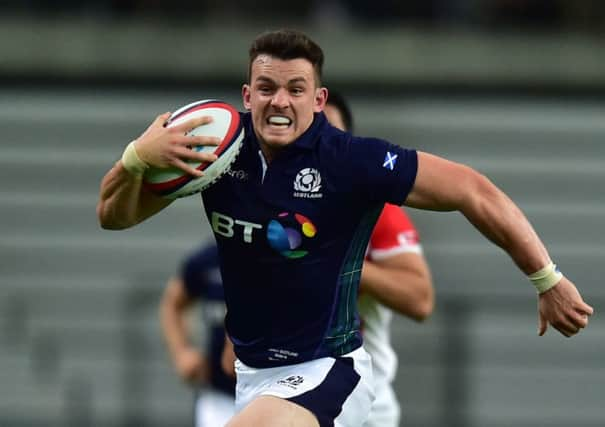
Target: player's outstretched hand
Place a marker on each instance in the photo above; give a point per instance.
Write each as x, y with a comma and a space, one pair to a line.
562, 306
161, 146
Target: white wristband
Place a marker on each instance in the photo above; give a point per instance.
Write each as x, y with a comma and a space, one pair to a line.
546, 278
132, 162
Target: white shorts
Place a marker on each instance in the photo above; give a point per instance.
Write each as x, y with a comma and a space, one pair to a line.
338, 391
385, 411
213, 408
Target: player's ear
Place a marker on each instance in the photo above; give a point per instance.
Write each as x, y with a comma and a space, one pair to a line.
246, 96
321, 96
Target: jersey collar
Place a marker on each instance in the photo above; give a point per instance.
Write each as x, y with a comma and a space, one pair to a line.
310, 137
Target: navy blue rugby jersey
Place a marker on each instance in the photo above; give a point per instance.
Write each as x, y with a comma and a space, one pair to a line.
292, 236
202, 279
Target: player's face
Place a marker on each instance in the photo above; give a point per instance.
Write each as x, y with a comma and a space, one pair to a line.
282, 96
334, 117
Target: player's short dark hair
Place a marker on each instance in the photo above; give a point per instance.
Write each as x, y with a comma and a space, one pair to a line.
336, 99
285, 45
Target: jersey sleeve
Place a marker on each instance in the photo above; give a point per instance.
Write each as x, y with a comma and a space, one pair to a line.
382, 172
393, 234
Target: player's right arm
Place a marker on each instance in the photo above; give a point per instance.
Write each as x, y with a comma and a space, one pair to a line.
123, 200
188, 361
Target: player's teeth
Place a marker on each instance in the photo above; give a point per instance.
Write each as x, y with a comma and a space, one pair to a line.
279, 120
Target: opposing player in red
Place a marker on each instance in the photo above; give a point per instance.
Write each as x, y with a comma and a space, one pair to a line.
395, 277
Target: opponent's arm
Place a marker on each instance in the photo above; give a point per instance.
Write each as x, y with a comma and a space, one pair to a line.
401, 282
123, 200
444, 185
188, 361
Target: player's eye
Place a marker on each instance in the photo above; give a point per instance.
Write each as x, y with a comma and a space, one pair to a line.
265, 89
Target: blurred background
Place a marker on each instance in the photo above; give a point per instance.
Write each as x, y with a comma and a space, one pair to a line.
514, 88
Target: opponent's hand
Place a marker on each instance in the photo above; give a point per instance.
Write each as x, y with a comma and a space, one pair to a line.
161, 147
563, 307
192, 366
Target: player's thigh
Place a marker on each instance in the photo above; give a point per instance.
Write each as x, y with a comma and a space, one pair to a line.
271, 411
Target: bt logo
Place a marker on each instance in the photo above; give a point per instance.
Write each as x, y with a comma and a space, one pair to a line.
225, 225
286, 234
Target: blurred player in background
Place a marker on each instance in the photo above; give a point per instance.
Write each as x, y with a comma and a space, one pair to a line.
292, 315
199, 281
396, 277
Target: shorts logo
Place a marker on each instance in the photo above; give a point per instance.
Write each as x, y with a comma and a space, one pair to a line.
287, 234
292, 381
307, 184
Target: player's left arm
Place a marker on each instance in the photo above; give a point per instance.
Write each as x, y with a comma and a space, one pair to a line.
446, 186
401, 282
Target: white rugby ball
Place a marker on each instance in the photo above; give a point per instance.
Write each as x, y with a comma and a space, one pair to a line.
172, 182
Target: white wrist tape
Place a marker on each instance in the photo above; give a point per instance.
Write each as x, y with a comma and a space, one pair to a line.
132, 162
546, 278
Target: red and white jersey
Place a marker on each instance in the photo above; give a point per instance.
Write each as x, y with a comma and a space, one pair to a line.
393, 234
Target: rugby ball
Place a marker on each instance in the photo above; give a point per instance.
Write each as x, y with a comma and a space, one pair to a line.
172, 182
